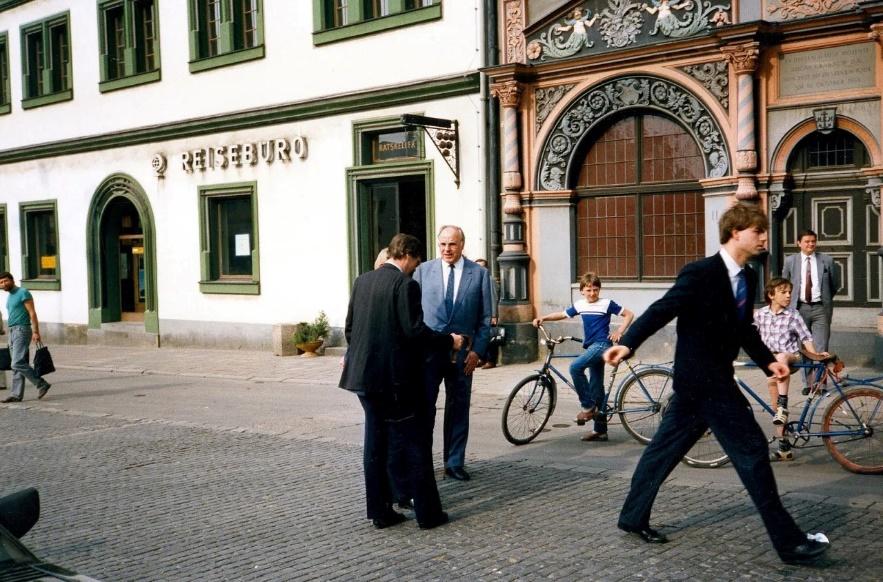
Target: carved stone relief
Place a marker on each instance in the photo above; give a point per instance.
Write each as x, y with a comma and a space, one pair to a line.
601, 101
514, 33
546, 100
714, 77
621, 23
791, 9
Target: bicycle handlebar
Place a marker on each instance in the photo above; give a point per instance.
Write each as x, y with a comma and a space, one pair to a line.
557, 340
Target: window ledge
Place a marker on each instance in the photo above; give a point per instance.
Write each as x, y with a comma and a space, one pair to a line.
227, 59
41, 284
130, 81
231, 287
32, 102
374, 25
5, 108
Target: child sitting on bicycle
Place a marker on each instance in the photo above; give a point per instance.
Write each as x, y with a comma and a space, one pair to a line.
595, 313
784, 333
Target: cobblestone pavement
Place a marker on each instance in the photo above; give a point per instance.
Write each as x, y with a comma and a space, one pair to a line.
131, 498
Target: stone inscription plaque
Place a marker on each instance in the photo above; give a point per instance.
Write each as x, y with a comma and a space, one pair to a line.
825, 70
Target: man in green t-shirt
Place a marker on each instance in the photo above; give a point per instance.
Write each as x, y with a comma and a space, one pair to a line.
23, 329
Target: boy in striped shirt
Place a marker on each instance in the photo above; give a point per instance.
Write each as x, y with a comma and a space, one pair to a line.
595, 313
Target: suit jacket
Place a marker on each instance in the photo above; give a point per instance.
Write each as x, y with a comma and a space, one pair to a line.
387, 338
709, 330
825, 267
472, 309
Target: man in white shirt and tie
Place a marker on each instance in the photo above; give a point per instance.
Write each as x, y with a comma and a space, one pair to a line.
815, 283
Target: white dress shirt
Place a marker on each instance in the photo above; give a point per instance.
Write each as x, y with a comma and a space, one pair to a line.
816, 291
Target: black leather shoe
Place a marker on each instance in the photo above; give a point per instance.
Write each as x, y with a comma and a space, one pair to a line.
440, 519
458, 473
805, 552
10, 399
42, 392
648, 534
393, 518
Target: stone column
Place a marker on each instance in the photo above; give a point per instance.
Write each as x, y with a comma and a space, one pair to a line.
515, 310
743, 58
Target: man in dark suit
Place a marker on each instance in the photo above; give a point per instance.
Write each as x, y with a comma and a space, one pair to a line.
456, 299
387, 340
711, 299
815, 282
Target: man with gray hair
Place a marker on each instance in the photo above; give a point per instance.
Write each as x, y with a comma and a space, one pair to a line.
456, 299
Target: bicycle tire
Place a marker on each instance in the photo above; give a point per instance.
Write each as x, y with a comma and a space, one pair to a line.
639, 415
707, 453
528, 408
858, 454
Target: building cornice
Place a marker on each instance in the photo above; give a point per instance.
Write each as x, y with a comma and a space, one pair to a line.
8, 4
326, 106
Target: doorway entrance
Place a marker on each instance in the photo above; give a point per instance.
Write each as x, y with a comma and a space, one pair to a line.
387, 207
827, 196
132, 277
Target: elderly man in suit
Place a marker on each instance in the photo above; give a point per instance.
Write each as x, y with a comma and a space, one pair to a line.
456, 299
815, 282
711, 300
387, 339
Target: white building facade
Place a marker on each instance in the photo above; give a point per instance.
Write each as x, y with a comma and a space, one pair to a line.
208, 172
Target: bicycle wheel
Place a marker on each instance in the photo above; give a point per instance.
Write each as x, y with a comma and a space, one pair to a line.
859, 414
528, 408
641, 399
706, 453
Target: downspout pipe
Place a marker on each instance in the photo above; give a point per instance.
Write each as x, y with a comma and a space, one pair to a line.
491, 114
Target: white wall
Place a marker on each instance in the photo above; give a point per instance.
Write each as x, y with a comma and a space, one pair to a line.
292, 70
302, 217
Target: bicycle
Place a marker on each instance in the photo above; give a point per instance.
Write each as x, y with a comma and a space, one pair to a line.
638, 400
850, 423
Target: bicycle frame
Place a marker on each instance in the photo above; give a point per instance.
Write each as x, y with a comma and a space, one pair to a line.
802, 427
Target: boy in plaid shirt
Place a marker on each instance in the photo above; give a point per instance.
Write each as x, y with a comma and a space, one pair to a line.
784, 333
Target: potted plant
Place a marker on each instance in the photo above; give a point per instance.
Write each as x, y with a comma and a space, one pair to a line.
308, 337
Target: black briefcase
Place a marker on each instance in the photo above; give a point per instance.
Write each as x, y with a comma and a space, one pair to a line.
5, 359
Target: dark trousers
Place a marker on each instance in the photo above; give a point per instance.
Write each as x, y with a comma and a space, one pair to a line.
395, 449
458, 396
732, 421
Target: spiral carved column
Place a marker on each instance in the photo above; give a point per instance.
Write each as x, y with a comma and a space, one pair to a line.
744, 61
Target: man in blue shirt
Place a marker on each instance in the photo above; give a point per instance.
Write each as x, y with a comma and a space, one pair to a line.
23, 329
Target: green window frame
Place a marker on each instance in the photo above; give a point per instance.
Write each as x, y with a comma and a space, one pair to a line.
5, 98
337, 20
47, 71
227, 213
128, 43
4, 240
41, 257
225, 32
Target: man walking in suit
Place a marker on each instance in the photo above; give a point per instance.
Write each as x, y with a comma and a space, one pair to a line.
711, 300
815, 283
456, 299
387, 341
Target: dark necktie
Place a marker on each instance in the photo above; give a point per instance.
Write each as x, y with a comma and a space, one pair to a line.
807, 285
742, 295
449, 292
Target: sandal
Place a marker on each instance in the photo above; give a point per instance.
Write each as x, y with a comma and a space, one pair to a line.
594, 436
585, 415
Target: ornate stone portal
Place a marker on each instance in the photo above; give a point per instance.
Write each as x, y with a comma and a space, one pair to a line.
601, 101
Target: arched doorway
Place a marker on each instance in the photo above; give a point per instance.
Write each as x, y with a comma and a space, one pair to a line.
825, 192
121, 259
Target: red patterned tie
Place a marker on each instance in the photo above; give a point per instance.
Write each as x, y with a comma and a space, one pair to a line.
807, 285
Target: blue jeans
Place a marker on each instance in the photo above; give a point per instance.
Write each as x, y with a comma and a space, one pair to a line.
19, 342
591, 390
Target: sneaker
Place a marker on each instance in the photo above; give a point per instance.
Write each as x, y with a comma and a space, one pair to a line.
10, 399
781, 456
585, 415
42, 392
781, 416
